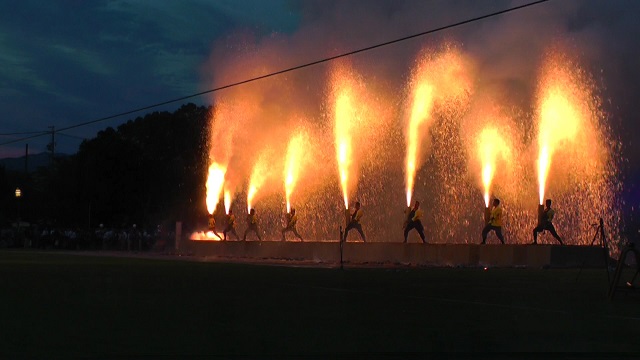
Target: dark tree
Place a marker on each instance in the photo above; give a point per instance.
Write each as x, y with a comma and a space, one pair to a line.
148, 171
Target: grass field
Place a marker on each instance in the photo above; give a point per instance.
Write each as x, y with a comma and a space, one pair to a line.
73, 306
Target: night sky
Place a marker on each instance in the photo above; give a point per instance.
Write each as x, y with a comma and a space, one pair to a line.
68, 62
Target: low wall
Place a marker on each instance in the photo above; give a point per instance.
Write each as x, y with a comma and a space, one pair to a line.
468, 255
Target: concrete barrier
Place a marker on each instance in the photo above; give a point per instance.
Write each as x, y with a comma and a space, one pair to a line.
357, 253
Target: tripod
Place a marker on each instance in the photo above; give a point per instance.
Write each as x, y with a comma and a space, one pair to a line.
598, 236
621, 265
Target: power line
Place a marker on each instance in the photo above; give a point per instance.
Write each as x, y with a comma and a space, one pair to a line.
23, 133
26, 138
71, 136
298, 67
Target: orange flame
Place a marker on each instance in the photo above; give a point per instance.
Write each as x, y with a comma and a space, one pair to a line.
215, 181
490, 146
250, 195
421, 111
344, 114
204, 236
559, 116
544, 162
295, 151
259, 174
359, 121
435, 80
227, 201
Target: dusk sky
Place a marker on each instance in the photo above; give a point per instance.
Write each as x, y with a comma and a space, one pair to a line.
67, 62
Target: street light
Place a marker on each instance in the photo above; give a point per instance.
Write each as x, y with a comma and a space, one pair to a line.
18, 196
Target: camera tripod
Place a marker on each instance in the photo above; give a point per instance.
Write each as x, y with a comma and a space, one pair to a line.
599, 234
630, 248
601, 240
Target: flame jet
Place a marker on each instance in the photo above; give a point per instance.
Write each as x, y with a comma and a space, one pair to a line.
345, 121
262, 171
420, 114
215, 182
490, 146
221, 134
559, 115
359, 122
435, 80
344, 111
294, 163
227, 201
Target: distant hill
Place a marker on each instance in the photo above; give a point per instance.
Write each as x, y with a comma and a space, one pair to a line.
34, 162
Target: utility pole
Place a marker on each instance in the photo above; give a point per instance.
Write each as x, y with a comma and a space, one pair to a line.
52, 145
26, 159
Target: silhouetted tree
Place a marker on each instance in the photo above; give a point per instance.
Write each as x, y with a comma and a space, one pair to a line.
148, 171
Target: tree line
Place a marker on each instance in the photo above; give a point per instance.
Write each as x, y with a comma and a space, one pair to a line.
149, 171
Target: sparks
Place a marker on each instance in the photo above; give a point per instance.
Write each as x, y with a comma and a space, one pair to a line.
490, 146
559, 118
294, 163
262, 170
421, 112
227, 201
215, 181
344, 116
435, 80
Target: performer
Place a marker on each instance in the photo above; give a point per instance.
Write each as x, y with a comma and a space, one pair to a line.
495, 222
292, 219
354, 223
252, 225
212, 226
547, 224
413, 222
231, 226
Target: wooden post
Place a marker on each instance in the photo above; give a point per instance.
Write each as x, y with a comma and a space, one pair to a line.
178, 234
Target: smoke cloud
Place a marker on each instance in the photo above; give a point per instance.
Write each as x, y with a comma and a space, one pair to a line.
504, 56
